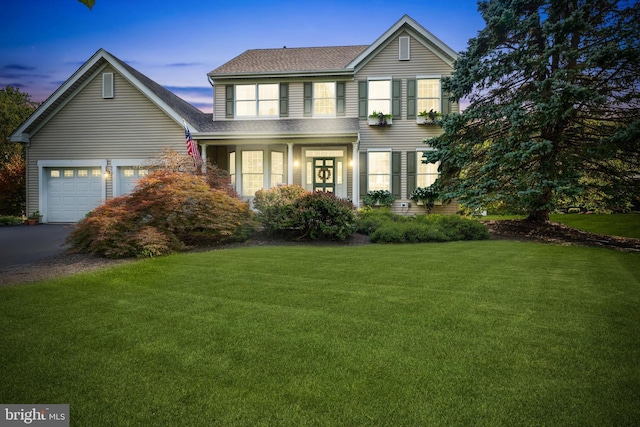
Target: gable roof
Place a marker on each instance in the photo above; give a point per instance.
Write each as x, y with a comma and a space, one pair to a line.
324, 60
299, 60
174, 106
407, 23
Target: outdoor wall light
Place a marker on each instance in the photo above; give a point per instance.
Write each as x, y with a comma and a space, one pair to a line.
107, 172
296, 164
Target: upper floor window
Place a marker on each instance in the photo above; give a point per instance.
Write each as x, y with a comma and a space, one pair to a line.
324, 99
257, 100
428, 94
379, 96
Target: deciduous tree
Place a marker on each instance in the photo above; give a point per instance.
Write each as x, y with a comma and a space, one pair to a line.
554, 94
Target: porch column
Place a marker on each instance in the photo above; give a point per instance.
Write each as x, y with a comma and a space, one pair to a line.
204, 158
355, 174
290, 163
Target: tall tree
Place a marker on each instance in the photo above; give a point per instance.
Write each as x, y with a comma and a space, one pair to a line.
554, 93
15, 108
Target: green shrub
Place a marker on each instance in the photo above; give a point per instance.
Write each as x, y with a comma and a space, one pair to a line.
293, 210
276, 207
370, 219
386, 227
408, 232
10, 220
324, 216
167, 211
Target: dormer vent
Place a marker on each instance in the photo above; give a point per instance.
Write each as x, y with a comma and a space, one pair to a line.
404, 49
107, 85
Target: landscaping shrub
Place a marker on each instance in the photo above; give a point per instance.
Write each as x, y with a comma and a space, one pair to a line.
408, 232
167, 211
324, 216
290, 209
276, 207
386, 227
10, 220
370, 219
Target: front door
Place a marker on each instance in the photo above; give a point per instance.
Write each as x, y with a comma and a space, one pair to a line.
324, 174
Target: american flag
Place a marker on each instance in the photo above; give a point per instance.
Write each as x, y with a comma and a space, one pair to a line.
192, 149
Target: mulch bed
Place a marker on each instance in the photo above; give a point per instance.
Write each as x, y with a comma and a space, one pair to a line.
67, 263
553, 232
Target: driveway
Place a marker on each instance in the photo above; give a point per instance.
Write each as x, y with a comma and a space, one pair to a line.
22, 244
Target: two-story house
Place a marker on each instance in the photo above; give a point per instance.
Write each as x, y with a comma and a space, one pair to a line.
281, 116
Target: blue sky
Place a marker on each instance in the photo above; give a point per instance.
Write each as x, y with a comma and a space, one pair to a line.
176, 43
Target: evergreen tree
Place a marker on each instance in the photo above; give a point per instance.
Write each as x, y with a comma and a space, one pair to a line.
554, 95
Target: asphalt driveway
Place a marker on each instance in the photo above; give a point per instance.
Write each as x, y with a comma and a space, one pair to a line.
22, 244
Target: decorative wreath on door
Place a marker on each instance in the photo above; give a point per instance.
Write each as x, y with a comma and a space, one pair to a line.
324, 174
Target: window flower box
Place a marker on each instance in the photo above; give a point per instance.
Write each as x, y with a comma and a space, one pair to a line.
379, 119
429, 118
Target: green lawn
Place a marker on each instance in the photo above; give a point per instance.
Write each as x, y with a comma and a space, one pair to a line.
483, 333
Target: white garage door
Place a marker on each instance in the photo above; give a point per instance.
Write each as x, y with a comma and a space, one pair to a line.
72, 192
128, 177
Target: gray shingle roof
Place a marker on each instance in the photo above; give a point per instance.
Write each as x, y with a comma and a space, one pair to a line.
288, 60
179, 105
279, 127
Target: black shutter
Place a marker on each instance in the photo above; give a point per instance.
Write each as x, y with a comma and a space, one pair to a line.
363, 174
412, 165
284, 99
395, 174
411, 99
308, 99
340, 99
228, 104
362, 99
396, 99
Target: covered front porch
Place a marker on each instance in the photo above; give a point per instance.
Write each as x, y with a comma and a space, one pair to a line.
315, 154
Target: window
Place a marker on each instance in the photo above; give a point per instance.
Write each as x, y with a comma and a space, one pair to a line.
428, 95
277, 168
379, 99
68, 173
55, 173
324, 99
96, 172
427, 173
252, 172
83, 173
257, 100
232, 168
379, 171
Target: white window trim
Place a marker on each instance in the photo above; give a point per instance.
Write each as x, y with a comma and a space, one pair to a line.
384, 78
335, 99
430, 76
257, 102
381, 150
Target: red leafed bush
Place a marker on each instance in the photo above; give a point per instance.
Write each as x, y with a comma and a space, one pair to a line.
167, 211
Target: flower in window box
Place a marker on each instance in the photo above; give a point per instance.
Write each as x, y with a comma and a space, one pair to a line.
426, 196
430, 117
379, 119
378, 198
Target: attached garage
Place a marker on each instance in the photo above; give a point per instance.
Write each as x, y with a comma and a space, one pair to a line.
72, 192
